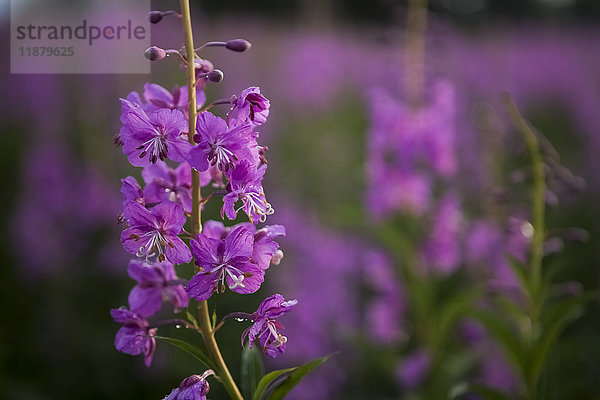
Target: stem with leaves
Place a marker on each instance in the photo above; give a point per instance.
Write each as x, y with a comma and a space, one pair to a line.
204, 320
534, 288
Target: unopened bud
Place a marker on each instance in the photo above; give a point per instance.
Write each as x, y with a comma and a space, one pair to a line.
215, 76
155, 53
155, 16
238, 45
277, 257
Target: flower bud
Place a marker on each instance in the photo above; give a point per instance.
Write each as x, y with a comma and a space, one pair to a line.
155, 53
215, 76
155, 17
277, 257
238, 45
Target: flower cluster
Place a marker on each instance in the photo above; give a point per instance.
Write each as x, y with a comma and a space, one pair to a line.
224, 154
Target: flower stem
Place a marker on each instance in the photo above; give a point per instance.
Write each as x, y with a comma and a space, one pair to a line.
536, 298
414, 57
538, 203
203, 314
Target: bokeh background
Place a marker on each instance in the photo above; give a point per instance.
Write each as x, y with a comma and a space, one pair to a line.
331, 70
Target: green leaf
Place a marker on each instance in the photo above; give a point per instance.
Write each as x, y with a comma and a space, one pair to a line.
506, 336
252, 371
489, 393
450, 313
520, 271
190, 349
555, 321
214, 318
267, 379
277, 384
191, 318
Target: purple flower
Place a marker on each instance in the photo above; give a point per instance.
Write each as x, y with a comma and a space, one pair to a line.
265, 249
218, 144
414, 368
265, 328
155, 282
195, 387
442, 252
245, 184
250, 106
154, 232
150, 137
225, 261
131, 190
167, 184
157, 97
135, 336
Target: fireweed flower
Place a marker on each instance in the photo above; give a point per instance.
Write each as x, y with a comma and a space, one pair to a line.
135, 336
250, 106
442, 251
195, 387
149, 137
158, 97
245, 184
167, 184
218, 144
265, 249
265, 327
224, 262
155, 283
413, 370
154, 232
131, 190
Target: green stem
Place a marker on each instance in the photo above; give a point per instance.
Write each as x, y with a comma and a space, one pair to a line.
204, 321
414, 58
537, 244
539, 188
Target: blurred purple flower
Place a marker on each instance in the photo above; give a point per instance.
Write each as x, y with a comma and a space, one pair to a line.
442, 252
413, 370
407, 148
385, 311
